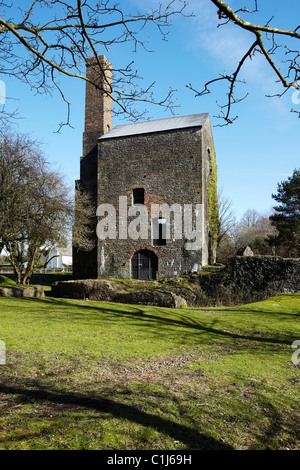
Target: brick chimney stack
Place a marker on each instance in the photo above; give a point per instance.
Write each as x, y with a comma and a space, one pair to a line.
98, 106
98, 119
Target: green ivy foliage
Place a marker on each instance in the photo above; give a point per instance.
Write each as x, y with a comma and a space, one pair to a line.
213, 207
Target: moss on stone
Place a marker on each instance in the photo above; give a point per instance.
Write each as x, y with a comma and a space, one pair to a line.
213, 207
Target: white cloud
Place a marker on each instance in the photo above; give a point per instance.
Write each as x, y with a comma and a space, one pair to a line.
226, 45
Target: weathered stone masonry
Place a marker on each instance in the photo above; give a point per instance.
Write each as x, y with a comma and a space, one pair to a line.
98, 120
169, 166
168, 159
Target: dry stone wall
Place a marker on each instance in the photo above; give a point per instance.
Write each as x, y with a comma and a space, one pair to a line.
35, 291
109, 291
250, 279
243, 280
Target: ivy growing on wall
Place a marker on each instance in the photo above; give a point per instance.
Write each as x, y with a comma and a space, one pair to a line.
213, 208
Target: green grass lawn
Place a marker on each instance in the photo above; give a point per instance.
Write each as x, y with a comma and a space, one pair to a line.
7, 281
95, 375
45, 280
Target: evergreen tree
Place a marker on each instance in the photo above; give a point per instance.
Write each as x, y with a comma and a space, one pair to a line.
287, 216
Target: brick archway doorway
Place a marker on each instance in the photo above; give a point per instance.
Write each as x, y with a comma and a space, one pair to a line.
144, 265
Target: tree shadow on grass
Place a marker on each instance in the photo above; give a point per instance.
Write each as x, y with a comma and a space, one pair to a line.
157, 317
191, 438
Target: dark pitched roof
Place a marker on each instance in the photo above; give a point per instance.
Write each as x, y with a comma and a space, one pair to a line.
158, 125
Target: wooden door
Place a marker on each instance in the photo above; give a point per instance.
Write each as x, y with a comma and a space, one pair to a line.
144, 265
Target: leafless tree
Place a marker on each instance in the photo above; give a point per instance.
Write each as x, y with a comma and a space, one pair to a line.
36, 206
250, 219
42, 40
227, 224
269, 41
254, 229
226, 216
84, 226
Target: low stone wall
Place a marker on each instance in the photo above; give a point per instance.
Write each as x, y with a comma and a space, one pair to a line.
86, 289
243, 280
158, 297
250, 279
109, 291
34, 291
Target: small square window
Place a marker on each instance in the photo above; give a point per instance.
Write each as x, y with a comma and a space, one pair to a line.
138, 196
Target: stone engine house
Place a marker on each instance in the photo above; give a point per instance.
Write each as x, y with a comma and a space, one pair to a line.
162, 164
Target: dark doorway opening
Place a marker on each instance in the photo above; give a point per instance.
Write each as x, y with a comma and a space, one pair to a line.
144, 265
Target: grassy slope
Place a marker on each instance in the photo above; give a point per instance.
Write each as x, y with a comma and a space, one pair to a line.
91, 375
6, 281
45, 280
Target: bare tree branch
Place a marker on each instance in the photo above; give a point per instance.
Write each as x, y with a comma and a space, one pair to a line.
263, 34
53, 38
37, 208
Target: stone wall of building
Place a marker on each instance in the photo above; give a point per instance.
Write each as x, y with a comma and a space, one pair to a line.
171, 167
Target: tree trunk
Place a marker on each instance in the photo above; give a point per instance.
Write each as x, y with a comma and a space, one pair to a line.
31, 263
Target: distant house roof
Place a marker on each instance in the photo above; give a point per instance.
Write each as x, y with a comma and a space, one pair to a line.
63, 251
158, 125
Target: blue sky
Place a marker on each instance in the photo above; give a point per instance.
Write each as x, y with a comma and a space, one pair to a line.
259, 150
